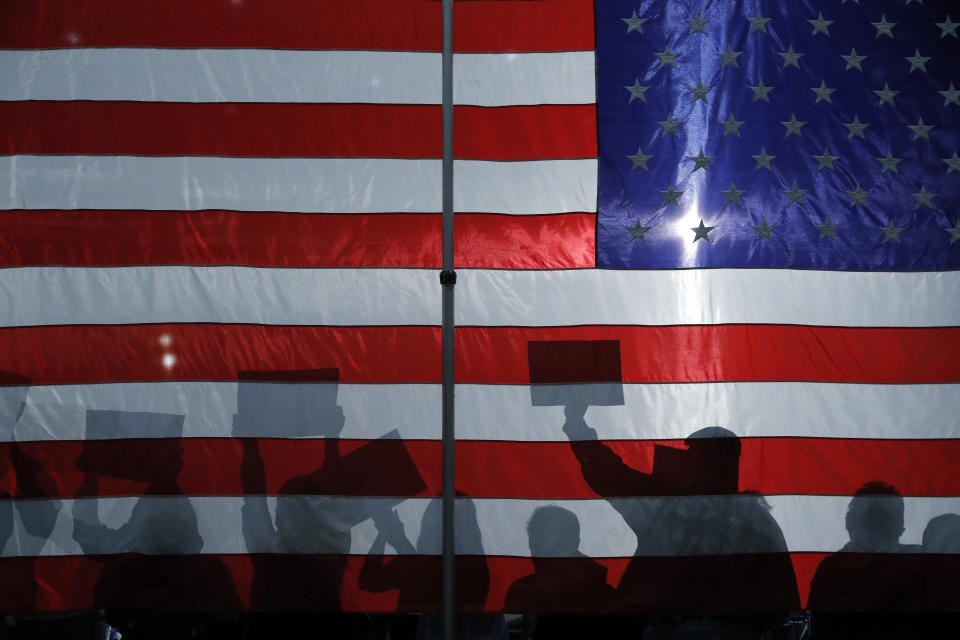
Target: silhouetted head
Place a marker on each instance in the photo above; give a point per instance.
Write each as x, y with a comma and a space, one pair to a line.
553, 532
715, 459
942, 534
467, 538
716, 438
875, 517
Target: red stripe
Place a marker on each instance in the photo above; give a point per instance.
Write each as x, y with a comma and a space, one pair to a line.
214, 466
480, 25
121, 238
767, 465
69, 583
80, 353
689, 353
526, 133
559, 241
704, 353
294, 130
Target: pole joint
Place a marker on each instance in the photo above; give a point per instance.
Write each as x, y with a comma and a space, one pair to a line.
448, 278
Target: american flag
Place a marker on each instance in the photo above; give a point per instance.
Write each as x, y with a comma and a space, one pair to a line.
755, 202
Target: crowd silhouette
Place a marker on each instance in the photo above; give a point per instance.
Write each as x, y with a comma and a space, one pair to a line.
37, 517
710, 559
154, 561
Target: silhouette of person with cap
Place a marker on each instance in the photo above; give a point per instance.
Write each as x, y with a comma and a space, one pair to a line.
703, 547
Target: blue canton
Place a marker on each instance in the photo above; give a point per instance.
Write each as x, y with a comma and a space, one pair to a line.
797, 134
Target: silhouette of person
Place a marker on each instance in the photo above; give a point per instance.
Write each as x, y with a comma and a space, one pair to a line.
420, 588
942, 534
155, 577
166, 523
941, 576
702, 546
38, 517
564, 579
299, 561
872, 574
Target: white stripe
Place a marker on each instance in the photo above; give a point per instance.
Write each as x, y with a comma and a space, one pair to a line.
309, 185
55, 295
707, 296
749, 409
220, 75
261, 75
325, 185
499, 79
545, 186
343, 525
85, 295
58, 412
502, 412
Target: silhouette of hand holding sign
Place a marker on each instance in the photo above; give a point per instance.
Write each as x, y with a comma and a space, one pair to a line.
702, 545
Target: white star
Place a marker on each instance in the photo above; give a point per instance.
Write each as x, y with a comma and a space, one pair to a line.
953, 163
820, 25
759, 23
891, 232
763, 160
823, 92
760, 92
634, 23
883, 27
951, 95
889, 163
731, 126
948, 28
793, 126
826, 160
924, 198
637, 91
639, 160
856, 128
790, 57
920, 130
697, 23
853, 60
886, 94
858, 197
917, 61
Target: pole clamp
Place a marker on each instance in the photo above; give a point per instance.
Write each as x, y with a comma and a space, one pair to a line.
448, 278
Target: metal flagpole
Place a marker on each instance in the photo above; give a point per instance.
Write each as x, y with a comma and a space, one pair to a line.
448, 279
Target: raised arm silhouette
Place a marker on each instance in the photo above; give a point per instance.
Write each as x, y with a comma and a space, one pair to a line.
703, 545
155, 576
419, 588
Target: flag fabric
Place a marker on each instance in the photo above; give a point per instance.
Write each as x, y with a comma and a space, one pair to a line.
720, 239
